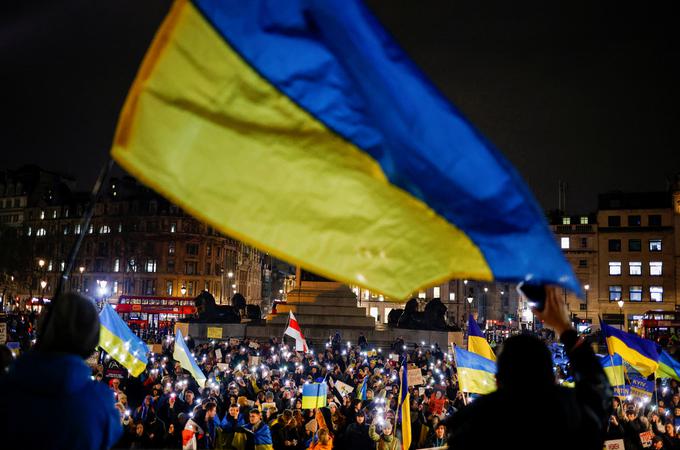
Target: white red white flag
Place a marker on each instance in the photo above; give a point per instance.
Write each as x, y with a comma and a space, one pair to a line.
295, 332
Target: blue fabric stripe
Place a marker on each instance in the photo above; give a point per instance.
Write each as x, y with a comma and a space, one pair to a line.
474, 361
606, 360
668, 361
110, 320
643, 346
473, 328
335, 61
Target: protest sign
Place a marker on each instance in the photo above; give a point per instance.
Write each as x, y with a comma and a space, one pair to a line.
254, 360
214, 332
614, 444
621, 391
640, 387
3, 333
93, 360
218, 354
415, 377
646, 439
344, 389
222, 366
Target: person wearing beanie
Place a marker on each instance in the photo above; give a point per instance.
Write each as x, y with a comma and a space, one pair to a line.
526, 384
48, 399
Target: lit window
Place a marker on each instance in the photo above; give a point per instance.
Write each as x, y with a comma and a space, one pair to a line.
29, 231
173, 227
614, 268
77, 229
635, 268
104, 229
151, 265
656, 293
116, 265
54, 214
421, 295
171, 248
91, 229
49, 266
42, 214
656, 268
564, 242
65, 229
452, 296
114, 290
584, 220
655, 245
635, 293
41, 232
566, 220
168, 287
614, 293
62, 266
437, 292
120, 227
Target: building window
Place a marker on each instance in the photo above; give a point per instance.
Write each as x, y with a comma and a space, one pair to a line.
91, 229
655, 245
584, 220
42, 214
206, 285
191, 286
120, 227
614, 293
151, 265
77, 229
171, 266
422, 294
452, 296
168, 287
65, 229
437, 292
66, 213
634, 221
208, 250
173, 227
614, 268
104, 229
566, 220
584, 242
614, 221
656, 268
116, 265
190, 268
131, 266
634, 245
208, 269
564, 242
41, 232
583, 263
614, 245
149, 286
29, 231
654, 220
635, 268
171, 248
49, 266
635, 293
114, 290
54, 213
192, 249
656, 293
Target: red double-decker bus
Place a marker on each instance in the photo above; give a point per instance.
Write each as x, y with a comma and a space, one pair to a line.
154, 312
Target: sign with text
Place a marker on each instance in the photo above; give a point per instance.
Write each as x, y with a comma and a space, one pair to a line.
640, 387
214, 332
646, 439
614, 444
415, 377
218, 354
343, 388
622, 391
222, 366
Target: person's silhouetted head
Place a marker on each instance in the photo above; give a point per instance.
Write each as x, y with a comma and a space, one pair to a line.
524, 362
73, 326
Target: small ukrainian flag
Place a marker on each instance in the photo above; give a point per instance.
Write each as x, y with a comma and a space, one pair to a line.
476, 374
477, 342
116, 338
314, 395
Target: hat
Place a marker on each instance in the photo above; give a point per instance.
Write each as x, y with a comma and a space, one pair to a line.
73, 326
332, 404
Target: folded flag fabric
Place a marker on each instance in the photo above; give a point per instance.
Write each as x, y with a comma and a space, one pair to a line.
314, 395
404, 410
185, 358
116, 338
640, 353
361, 392
293, 330
668, 367
303, 129
613, 368
476, 374
477, 342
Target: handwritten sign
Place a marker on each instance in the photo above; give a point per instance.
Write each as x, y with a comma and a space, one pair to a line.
222, 366
344, 389
218, 354
415, 377
214, 332
646, 439
614, 444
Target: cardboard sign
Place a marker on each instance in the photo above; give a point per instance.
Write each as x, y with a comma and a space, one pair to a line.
646, 439
218, 354
344, 389
222, 366
214, 332
3, 333
415, 377
421, 391
269, 405
254, 361
614, 444
640, 387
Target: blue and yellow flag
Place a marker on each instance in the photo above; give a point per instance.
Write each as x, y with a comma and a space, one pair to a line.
361, 392
303, 126
668, 367
116, 338
404, 409
613, 367
314, 395
477, 342
182, 355
476, 374
640, 353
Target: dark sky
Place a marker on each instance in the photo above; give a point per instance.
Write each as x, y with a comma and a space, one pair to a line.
581, 91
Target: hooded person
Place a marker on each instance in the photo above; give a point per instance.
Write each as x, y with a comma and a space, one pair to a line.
52, 386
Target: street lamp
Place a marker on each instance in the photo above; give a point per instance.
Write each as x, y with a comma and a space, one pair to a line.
41, 263
81, 269
183, 290
43, 284
620, 303
587, 288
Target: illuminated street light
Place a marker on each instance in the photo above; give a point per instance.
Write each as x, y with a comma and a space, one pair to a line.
43, 284
183, 290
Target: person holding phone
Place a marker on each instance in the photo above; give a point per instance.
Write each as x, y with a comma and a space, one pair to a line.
553, 416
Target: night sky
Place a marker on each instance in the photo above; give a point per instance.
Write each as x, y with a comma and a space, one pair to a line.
581, 91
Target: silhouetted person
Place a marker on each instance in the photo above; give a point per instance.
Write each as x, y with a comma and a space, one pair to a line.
529, 399
48, 399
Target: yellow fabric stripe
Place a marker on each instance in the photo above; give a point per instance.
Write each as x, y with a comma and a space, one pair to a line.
476, 381
615, 375
480, 346
202, 128
313, 402
114, 346
406, 422
641, 363
666, 372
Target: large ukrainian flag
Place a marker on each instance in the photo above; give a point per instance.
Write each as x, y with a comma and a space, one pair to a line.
640, 353
476, 374
668, 367
613, 368
301, 128
116, 338
477, 342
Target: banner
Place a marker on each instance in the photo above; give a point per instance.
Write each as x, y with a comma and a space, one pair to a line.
621, 391
214, 332
415, 377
